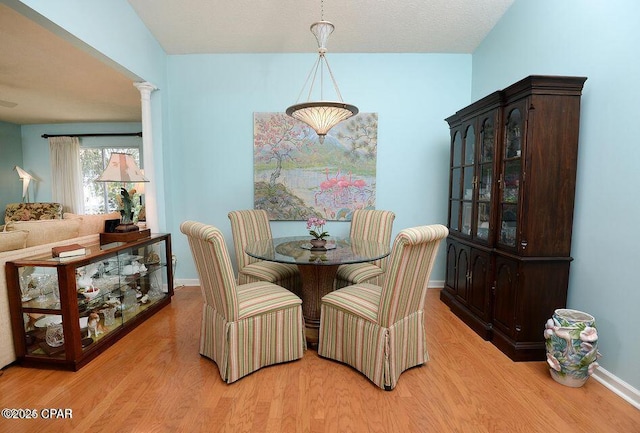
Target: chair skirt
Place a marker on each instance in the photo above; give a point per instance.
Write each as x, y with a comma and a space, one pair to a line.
242, 347
380, 353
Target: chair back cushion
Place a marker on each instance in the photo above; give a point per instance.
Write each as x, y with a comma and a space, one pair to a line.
214, 267
373, 225
248, 226
410, 263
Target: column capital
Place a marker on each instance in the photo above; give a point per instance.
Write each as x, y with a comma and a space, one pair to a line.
145, 88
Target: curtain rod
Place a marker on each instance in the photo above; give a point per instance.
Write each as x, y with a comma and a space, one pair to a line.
115, 134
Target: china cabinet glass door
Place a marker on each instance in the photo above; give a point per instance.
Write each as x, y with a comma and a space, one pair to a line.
468, 178
485, 178
456, 182
462, 180
510, 178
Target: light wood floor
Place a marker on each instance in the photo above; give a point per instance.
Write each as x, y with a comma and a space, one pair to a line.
154, 380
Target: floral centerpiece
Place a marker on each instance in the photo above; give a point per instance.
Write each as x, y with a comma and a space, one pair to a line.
318, 225
315, 226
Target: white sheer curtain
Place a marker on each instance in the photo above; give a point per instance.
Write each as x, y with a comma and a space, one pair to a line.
66, 173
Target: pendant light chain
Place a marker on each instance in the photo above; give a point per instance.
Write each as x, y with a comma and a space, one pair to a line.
321, 115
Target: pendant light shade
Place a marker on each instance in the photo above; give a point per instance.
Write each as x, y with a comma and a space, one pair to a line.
321, 115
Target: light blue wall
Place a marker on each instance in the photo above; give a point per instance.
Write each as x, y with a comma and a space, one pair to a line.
212, 99
35, 149
598, 40
10, 156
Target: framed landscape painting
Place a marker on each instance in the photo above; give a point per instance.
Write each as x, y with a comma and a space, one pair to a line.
296, 177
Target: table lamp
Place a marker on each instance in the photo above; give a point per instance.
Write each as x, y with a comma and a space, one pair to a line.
122, 168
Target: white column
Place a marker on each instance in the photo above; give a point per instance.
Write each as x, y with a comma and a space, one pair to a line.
151, 188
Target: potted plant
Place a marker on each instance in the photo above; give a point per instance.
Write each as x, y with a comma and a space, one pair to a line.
315, 226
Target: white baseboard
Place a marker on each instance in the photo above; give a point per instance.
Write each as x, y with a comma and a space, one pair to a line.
186, 282
618, 386
437, 284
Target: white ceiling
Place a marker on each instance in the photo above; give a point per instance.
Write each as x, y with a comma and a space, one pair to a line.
51, 80
54, 81
362, 26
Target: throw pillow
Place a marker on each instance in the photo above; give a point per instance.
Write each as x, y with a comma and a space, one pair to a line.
46, 231
15, 240
91, 224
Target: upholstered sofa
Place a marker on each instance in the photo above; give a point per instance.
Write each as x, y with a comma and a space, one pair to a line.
24, 238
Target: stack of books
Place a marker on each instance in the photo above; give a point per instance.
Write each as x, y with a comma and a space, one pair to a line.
68, 251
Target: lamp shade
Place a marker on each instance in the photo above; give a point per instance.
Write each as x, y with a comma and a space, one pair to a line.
122, 168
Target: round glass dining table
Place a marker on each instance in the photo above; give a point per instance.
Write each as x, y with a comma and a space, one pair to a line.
318, 268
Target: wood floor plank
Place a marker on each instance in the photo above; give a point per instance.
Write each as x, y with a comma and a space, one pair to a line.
154, 380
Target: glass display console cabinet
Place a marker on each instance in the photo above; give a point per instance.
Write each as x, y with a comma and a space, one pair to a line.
65, 312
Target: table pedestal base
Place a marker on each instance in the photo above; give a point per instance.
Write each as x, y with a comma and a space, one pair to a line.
317, 281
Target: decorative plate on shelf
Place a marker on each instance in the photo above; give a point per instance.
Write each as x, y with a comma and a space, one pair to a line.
43, 322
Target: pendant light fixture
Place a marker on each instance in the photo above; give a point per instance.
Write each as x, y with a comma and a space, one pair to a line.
321, 115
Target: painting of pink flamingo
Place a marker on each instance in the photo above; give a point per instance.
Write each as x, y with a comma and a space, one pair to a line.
296, 176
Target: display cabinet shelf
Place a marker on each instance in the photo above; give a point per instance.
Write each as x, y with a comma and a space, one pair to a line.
65, 312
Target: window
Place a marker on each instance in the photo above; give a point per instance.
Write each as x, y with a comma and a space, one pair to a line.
100, 197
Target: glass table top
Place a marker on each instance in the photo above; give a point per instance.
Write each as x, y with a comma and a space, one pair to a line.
297, 250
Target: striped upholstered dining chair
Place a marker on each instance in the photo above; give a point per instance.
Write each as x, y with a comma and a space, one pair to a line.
374, 225
253, 225
379, 330
244, 327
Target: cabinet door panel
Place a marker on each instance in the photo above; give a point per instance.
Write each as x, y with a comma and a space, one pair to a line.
462, 274
506, 286
478, 296
450, 279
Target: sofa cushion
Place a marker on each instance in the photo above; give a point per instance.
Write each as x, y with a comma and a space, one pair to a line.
91, 224
15, 240
45, 231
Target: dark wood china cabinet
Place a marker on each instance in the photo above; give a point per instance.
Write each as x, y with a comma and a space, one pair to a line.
511, 196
